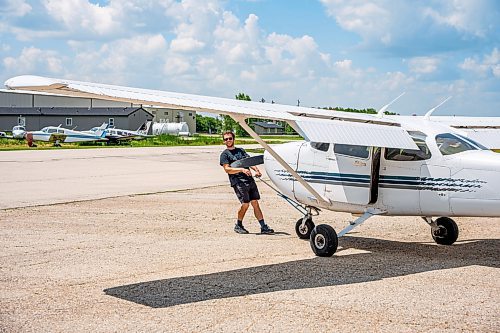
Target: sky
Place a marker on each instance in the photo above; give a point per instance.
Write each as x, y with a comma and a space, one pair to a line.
358, 54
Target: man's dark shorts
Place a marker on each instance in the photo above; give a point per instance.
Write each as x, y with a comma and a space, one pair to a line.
246, 192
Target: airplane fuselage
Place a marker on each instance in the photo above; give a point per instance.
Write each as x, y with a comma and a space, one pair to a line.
431, 181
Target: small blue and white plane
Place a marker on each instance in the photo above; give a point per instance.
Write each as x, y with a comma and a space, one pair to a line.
427, 166
59, 135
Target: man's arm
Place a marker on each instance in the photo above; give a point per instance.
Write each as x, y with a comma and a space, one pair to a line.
233, 171
257, 171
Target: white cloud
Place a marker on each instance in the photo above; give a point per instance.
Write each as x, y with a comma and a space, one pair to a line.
33, 59
423, 65
16, 8
80, 15
469, 16
489, 65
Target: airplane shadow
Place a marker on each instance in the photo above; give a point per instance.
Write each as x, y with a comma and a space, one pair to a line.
385, 259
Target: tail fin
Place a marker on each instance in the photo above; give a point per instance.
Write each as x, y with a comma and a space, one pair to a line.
146, 128
101, 130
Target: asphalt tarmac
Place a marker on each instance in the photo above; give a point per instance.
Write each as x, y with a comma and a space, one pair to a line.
141, 240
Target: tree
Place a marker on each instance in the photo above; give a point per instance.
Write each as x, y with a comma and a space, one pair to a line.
230, 124
208, 124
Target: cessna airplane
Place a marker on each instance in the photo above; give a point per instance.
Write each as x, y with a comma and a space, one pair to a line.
433, 167
58, 134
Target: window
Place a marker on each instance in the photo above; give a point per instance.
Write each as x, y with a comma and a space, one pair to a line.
420, 154
450, 144
323, 146
351, 150
69, 121
111, 121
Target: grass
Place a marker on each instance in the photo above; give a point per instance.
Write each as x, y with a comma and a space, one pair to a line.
157, 141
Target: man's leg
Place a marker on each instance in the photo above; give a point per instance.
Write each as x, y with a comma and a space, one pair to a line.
256, 210
264, 228
243, 210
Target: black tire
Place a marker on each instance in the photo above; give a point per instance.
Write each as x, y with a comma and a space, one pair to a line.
305, 231
447, 232
324, 240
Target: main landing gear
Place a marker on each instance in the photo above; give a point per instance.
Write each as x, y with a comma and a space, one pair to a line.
323, 238
444, 230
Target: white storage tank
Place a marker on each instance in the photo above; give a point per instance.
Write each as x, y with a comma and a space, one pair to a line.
171, 128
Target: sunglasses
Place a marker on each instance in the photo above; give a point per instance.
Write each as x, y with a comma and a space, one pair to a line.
227, 139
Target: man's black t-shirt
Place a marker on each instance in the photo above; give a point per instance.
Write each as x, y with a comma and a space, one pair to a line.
230, 156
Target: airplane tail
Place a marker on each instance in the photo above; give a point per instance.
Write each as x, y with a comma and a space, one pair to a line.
101, 131
146, 128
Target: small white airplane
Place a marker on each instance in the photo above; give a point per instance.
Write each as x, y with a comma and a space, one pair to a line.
18, 132
115, 135
59, 135
432, 167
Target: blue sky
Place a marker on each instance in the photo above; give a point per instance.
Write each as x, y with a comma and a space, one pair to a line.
326, 53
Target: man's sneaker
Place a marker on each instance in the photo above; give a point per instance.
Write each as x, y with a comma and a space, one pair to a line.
240, 229
266, 230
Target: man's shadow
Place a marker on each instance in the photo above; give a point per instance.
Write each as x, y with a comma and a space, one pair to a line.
383, 259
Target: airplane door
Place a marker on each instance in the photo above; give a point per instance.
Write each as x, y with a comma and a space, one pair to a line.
312, 166
399, 184
434, 196
349, 170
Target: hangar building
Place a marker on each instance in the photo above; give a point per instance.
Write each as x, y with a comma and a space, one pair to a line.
36, 103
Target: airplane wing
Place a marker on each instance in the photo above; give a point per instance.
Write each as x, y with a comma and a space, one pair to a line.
313, 124
57, 137
485, 130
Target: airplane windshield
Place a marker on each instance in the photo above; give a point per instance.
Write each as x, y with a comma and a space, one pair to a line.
450, 144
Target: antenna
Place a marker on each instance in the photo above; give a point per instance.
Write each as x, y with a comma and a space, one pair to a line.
380, 112
428, 114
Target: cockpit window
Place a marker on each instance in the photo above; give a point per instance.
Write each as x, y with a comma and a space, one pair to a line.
450, 144
351, 150
323, 146
420, 154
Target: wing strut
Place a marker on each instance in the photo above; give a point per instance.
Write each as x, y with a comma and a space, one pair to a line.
241, 121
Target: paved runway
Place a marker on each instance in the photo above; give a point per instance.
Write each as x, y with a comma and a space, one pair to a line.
38, 177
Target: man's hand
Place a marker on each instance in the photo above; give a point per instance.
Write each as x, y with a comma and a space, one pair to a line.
247, 172
258, 174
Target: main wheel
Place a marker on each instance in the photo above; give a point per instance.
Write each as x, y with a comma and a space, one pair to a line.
447, 231
304, 231
324, 241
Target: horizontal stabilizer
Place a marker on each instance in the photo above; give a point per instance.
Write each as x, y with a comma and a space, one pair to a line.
248, 162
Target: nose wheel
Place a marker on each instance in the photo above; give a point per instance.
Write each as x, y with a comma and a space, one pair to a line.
304, 228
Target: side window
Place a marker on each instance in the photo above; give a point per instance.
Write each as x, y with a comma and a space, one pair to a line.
351, 150
450, 144
420, 154
323, 146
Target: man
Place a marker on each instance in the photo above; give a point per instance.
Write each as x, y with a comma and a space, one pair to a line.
243, 184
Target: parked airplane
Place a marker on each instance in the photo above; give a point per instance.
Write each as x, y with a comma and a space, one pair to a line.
115, 135
358, 163
58, 135
18, 132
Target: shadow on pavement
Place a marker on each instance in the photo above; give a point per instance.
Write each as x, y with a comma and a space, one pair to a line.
385, 259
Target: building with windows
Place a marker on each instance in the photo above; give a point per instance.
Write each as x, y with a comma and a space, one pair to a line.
11, 99
268, 128
73, 117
